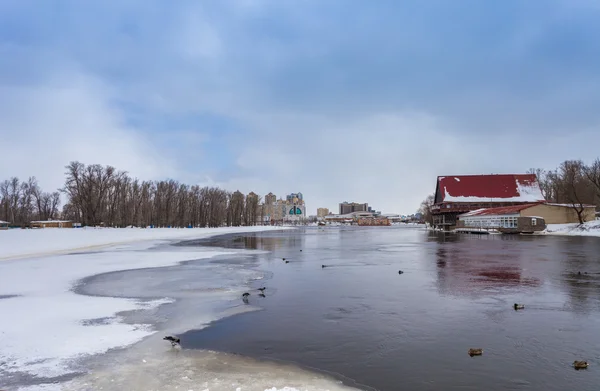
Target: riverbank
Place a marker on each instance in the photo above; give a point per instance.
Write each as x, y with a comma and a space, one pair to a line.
25, 243
590, 228
50, 331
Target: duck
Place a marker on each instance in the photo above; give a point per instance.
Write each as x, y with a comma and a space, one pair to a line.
174, 340
261, 295
283, 259
287, 261
580, 364
519, 306
262, 289
400, 272
475, 352
323, 266
245, 294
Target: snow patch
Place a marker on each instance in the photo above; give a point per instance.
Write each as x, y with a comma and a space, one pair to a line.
527, 193
457, 179
23, 243
199, 370
46, 328
590, 228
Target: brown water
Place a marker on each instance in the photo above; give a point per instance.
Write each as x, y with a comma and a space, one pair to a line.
361, 320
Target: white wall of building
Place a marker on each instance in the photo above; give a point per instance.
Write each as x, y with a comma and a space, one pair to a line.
490, 221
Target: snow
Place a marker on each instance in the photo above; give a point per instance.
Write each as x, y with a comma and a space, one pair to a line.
51, 221
18, 243
457, 179
526, 194
569, 205
46, 327
200, 371
590, 228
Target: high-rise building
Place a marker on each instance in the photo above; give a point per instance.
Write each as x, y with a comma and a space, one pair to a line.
322, 212
290, 209
347, 207
270, 199
295, 198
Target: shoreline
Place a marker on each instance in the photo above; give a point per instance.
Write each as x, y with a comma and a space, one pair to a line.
226, 241
87, 241
563, 230
91, 326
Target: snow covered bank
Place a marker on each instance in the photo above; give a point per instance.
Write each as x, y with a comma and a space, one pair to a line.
46, 328
590, 228
201, 371
22, 243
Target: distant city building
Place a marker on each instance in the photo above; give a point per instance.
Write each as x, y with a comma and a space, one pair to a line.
346, 207
270, 199
294, 212
295, 198
278, 211
322, 212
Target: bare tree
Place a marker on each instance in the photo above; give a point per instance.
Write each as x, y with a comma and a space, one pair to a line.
426, 209
251, 209
574, 186
545, 180
102, 195
592, 173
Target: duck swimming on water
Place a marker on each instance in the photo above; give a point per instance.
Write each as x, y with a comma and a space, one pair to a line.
580, 364
475, 352
519, 306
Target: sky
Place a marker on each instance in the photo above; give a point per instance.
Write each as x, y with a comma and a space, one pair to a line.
342, 100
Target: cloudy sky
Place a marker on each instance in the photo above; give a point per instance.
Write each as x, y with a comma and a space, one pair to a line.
356, 100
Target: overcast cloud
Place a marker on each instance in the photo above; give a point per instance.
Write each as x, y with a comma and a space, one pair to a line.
356, 100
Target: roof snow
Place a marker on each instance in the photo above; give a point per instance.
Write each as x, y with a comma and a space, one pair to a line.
490, 188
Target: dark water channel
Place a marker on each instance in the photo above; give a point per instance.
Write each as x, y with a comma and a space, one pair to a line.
360, 318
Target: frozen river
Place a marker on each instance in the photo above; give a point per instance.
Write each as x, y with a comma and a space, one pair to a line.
94, 319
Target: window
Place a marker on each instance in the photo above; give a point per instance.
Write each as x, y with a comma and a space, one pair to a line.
533, 221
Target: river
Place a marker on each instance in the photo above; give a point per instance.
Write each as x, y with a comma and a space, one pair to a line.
364, 322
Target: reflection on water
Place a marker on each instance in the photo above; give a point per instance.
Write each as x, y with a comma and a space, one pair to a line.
251, 241
361, 319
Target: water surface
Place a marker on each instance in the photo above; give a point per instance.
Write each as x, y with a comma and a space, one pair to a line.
360, 319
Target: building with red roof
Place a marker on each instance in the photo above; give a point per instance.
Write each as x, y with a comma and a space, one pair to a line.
455, 195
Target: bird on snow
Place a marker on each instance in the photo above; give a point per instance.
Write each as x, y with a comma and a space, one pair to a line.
174, 340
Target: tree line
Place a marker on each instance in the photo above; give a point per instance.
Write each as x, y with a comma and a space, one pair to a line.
97, 195
573, 183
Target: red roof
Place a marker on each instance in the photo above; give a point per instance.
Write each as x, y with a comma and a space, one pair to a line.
503, 210
488, 188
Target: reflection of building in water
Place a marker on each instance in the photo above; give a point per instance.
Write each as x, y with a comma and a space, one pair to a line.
468, 268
